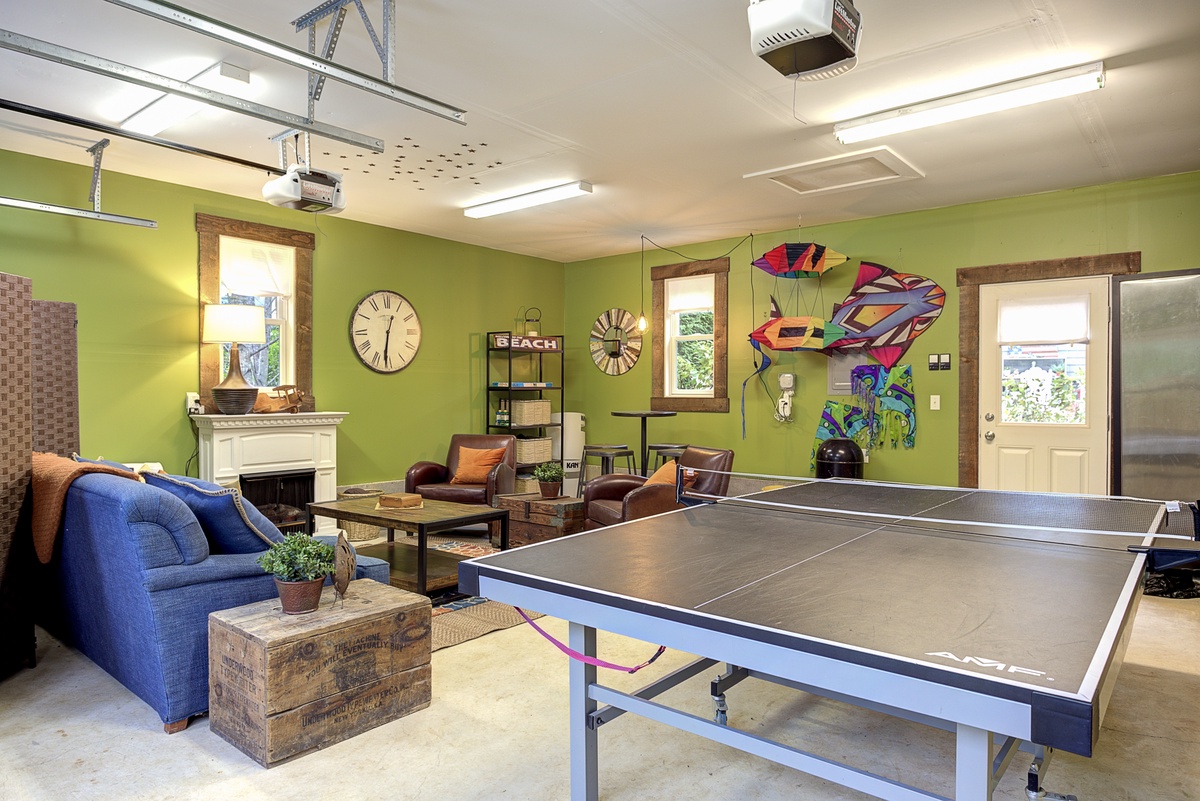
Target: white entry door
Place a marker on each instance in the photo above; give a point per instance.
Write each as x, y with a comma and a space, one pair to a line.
1043, 386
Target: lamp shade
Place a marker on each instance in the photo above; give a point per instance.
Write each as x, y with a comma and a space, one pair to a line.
228, 323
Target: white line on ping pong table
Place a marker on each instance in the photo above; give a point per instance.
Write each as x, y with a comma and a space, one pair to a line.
895, 518
789, 567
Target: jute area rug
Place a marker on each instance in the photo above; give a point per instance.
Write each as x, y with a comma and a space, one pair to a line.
467, 618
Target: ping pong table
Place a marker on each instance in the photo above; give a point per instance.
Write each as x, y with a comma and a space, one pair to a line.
1002, 617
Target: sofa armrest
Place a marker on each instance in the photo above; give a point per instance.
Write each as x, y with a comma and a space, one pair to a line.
611, 487
216, 568
425, 473
651, 499
501, 480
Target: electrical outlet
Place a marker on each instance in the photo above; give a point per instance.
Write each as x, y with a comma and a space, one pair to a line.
935, 403
192, 403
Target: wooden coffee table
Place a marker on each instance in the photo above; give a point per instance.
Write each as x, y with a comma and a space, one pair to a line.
415, 569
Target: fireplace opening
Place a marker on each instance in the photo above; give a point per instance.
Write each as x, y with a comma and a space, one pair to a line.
283, 497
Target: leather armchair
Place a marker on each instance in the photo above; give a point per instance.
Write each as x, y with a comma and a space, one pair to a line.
432, 480
617, 497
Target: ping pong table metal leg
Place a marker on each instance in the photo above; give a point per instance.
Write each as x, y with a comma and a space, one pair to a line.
973, 764
584, 764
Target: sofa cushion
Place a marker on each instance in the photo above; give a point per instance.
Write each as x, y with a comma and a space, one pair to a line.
455, 493
474, 464
231, 523
605, 513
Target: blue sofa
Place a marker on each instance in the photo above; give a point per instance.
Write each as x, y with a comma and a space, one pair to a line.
133, 581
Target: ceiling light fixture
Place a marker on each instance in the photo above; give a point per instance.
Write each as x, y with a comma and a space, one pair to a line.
1025, 92
551, 195
642, 325
169, 110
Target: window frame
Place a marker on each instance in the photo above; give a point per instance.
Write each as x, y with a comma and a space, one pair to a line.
718, 401
209, 230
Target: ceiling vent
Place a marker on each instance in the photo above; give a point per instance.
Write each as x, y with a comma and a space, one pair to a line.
865, 168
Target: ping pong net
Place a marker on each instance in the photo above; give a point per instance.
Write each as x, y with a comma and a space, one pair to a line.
1085, 520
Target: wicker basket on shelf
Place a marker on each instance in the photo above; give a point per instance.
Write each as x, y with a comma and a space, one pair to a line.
357, 532
530, 413
533, 450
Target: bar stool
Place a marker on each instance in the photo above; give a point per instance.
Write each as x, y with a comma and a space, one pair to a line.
666, 451
608, 455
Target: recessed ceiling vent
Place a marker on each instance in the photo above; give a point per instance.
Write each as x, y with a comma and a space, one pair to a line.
840, 173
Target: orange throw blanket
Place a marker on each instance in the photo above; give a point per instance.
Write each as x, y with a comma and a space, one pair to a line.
52, 477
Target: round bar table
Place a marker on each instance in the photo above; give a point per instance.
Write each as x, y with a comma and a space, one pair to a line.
644, 415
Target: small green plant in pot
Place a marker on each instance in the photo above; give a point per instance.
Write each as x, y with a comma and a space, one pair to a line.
300, 565
549, 476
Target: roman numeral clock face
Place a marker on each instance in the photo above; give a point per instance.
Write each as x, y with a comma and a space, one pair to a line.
385, 331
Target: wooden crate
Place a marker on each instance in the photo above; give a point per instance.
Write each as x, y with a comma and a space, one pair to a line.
532, 518
282, 685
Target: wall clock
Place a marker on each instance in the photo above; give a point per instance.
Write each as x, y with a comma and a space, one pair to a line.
385, 331
615, 342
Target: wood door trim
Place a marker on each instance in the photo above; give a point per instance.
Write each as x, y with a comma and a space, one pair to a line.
969, 280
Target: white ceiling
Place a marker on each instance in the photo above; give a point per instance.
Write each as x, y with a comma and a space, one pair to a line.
658, 103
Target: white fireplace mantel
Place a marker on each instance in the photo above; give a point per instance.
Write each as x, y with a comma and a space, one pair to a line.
232, 445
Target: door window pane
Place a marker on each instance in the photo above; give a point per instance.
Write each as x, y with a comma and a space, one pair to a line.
1043, 384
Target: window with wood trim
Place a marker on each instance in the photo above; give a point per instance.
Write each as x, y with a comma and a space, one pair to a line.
282, 283
689, 348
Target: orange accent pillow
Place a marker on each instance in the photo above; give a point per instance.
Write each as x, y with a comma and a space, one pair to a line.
666, 475
474, 464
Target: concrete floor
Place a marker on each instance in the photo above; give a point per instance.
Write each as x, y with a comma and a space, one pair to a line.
497, 730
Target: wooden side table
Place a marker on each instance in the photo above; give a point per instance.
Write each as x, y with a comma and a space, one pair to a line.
533, 518
282, 685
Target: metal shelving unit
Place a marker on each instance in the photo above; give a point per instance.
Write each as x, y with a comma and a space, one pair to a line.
512, 359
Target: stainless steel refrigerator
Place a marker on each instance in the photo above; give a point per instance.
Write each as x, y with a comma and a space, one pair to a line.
1156, 385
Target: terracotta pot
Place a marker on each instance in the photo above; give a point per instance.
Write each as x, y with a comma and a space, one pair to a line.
300, 597
550, 489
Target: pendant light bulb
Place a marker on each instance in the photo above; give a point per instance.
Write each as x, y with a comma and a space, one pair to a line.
642, 325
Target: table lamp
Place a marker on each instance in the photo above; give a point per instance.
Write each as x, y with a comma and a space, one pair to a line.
234, 324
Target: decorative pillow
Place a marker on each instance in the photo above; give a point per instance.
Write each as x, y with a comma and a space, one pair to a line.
106, 462
666, 475
474, 464
231, 524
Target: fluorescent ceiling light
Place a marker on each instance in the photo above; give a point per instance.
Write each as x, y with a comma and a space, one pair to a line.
554, 193
1025, 92
169, 110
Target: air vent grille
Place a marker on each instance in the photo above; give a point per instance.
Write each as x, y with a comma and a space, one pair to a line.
842, 173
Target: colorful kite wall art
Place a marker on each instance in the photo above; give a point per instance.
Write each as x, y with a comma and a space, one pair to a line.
799, 260
886, 397
885, 311
883, 314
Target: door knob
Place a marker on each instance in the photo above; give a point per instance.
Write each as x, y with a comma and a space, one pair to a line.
989, 417
989, 435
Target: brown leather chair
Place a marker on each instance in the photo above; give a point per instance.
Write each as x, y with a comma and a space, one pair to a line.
617, 497
432, 480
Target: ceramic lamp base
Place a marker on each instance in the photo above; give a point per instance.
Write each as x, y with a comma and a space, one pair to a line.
234, 401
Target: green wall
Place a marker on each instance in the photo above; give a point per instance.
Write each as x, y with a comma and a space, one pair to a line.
1159, 217
136, 292
138, 313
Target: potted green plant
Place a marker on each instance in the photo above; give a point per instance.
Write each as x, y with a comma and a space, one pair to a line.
300, 565
549, 477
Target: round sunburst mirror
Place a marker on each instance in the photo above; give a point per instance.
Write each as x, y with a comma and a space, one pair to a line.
615, 342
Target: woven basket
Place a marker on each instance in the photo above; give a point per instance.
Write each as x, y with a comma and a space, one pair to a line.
530, 413
357, 532
525, 484
533, 450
